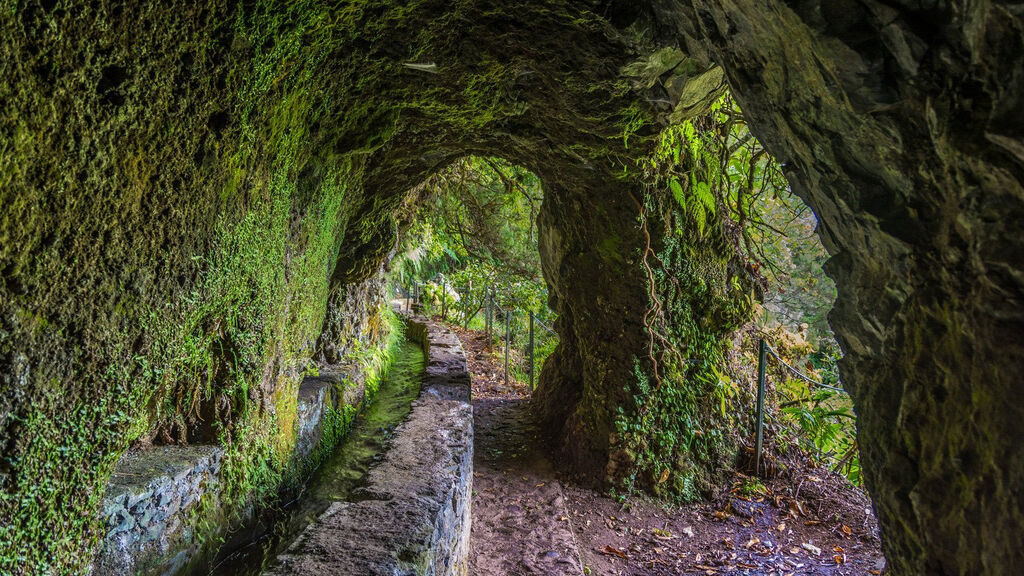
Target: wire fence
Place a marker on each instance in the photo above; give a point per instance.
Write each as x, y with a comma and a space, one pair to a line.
525, 339
765, 351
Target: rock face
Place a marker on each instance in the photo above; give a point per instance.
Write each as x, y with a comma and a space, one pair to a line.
186, 193
902, 125
346, 316
414, 514
148, 506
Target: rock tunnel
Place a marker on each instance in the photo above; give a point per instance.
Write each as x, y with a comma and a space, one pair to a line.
196, 193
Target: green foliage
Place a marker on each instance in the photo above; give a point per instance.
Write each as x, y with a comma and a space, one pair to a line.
477, 211
751, 487
476, 233
474, 238
678, 433
818, 421
775, 229
730, 225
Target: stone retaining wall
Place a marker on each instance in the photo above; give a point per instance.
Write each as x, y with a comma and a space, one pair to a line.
147, 504
146, 508
413, 516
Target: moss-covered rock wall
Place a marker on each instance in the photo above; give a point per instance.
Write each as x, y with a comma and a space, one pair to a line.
171, 215
188, 192
183, 188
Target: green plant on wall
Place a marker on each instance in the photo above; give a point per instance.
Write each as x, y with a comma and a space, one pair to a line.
725, 231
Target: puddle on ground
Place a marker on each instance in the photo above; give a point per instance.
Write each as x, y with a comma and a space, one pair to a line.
257, 545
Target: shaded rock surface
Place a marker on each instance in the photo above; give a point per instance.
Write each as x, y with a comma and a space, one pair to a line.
902, 125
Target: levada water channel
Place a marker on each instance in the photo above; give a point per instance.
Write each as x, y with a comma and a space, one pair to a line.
256, 546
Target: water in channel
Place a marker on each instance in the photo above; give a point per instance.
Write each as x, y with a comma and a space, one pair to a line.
338, 478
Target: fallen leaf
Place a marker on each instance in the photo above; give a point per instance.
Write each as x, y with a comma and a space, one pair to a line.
539, 485
812, 522
846, 530
781, 527
840, 558
688, 531
609, 550
796, 508
811, 548
752, 542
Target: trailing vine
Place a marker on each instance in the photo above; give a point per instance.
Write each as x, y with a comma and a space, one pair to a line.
679, 438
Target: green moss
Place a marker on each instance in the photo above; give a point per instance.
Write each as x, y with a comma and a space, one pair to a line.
182, 184
215, 302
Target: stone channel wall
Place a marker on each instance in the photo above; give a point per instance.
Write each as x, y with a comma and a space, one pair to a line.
148, 508
415, 519
413, 516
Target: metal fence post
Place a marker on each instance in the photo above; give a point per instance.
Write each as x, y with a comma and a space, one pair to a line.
531, 350
408, 299
762, 358
507, 316
487, 312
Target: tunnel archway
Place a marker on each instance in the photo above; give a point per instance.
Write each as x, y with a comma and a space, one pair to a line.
900, 127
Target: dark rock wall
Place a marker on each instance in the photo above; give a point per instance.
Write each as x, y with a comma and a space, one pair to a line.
902, 125
346, 316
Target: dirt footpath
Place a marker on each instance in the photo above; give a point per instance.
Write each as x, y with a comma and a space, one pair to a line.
520, 519
527, 520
